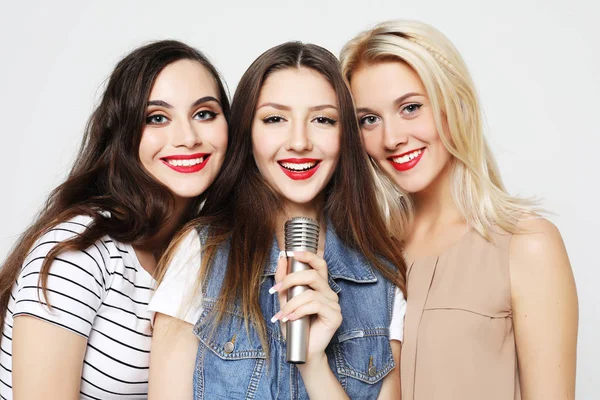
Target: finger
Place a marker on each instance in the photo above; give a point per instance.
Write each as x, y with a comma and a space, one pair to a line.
316, 262
329, 315
281, 270
310, 278
309, 296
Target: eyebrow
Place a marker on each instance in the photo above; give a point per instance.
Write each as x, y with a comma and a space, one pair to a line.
288, 108
202, 100
397, 102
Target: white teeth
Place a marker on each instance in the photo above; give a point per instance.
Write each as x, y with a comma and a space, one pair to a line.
298, 167
406, 158
185, 163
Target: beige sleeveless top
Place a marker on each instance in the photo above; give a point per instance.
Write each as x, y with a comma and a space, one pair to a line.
458, 337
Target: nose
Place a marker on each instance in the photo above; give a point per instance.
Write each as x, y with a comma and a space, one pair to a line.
394, 134
187, 134
298, 138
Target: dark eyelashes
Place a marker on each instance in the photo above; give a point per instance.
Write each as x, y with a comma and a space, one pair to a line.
411, 108
151, 119
326, 120
211, 114
362, 121
273, 119
321, 120
408, 110
159, 119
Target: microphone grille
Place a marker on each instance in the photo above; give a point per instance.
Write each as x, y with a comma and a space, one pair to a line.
301, 233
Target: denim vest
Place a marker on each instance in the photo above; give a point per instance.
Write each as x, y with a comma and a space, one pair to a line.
232, 364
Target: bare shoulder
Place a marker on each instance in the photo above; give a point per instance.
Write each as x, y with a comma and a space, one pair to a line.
537, 253
545, 310
536, 237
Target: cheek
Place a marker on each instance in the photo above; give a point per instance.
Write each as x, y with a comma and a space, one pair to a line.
331, 145
266, 143
424, 128
150, 145
217, 136
259, 148
443, 154
372, 143
429, 134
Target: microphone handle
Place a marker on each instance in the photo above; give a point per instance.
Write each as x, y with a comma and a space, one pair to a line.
297, 331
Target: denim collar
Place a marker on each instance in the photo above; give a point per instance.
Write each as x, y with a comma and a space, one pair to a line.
342, 262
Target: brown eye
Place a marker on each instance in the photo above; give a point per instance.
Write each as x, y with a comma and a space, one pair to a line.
274, 119
325, 120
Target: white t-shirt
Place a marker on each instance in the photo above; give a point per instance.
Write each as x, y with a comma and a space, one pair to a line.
174, 295
100, 293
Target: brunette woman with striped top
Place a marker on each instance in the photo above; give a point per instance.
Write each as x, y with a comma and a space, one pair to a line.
75, 288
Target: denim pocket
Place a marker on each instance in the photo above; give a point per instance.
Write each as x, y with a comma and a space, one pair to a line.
230, 360
365, 355
229, 339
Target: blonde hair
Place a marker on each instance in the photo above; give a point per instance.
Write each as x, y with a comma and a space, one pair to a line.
477, 187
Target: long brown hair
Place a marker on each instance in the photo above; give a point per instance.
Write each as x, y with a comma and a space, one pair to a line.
240, 205
107, 174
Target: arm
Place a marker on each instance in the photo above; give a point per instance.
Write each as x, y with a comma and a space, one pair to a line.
172, 359
321, 303
391, 383
48, 346
46, 360
319, 380
177, 306
545, 310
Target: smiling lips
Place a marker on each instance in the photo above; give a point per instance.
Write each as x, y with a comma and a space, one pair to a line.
408, 160
187, 163
299, 168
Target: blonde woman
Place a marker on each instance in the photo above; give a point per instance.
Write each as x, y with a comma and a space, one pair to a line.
492, 305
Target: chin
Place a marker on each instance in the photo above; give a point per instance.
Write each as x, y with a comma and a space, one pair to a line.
186, 193
412, 186
298, 197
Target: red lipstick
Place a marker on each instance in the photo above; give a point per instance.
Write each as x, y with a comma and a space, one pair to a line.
302, 174
187, 169
405, 166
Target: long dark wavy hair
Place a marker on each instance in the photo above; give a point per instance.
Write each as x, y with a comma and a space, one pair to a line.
241, 205
107, 174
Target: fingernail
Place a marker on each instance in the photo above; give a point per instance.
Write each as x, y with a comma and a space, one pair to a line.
275, 288
285, 319
276, 317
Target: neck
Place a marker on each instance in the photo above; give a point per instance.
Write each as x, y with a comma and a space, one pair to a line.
435, 205
150, 251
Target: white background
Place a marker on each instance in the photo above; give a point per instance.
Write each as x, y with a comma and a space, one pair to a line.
536, 66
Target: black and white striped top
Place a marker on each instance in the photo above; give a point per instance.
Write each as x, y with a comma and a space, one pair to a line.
100, 293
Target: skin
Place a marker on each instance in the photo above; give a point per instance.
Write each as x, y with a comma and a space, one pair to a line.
183, 117
296, 117
48, 360
544, 298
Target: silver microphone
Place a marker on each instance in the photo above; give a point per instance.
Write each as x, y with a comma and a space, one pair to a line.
301, 234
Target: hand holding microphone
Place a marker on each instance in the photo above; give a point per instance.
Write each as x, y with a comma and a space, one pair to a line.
309, 297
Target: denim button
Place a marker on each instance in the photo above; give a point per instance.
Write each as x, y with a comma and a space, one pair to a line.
228, 347
372, 371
